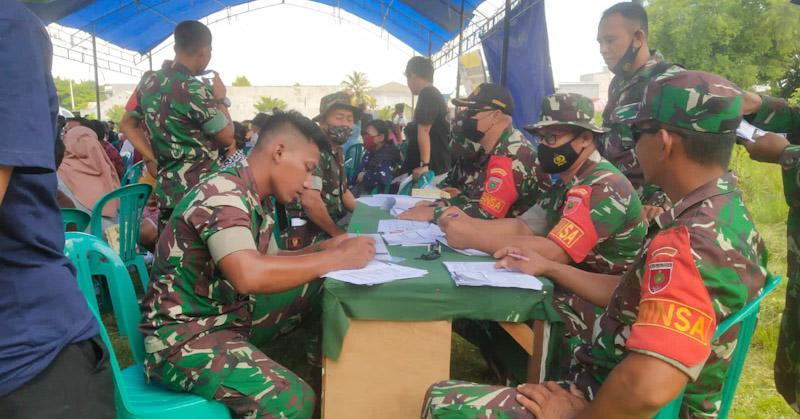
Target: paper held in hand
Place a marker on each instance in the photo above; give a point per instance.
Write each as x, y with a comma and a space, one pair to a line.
484, 274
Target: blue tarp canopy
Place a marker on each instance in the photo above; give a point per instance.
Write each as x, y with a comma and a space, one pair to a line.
140, 25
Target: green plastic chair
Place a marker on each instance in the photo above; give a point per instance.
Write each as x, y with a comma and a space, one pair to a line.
133, 199
132, 174
76, 218
135, 398
747, 316
352, 160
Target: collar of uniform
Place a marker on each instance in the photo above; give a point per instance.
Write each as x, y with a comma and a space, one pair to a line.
181, 68
502, 144
585, 170
245, 173
719, 186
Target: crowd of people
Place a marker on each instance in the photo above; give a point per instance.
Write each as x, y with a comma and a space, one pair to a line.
638, 222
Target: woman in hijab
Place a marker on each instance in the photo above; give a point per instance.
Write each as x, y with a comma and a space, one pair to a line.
378, 165
86, 173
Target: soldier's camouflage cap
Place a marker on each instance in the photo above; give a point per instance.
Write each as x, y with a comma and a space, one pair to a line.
566, 109
339, 99
488, 95
692, 100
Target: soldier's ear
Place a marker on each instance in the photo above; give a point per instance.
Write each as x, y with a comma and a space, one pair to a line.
667, 143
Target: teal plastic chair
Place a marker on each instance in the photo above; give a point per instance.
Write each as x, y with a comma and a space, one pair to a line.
135, 398
132, 174
132, 200
747, 317
424, 180
76, 218
352, 160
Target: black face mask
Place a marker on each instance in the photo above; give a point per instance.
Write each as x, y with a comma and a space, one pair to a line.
468, 126
557, 159
625, 64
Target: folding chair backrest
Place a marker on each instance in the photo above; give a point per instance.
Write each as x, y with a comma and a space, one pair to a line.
352, 159
78, 247
76, 218
133, 199
747, 317
133, 173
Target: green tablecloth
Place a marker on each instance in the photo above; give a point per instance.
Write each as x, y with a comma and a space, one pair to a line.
432, 297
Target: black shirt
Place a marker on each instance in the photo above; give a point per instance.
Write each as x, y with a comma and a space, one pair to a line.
431, 109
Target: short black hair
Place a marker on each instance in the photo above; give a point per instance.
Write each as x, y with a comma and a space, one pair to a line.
420, 67
706, 147
191, 35
239, 132
260, 119
308, 128
98, 127
399, 107
631, 11
381, 126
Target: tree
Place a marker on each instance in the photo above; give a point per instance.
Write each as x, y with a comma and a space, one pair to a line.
748, 41
385, 113
83, 91
268, 103
357, 85
114, 114
241, 81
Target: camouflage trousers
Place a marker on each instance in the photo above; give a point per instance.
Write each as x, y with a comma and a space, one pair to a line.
461, 399
224, 366
510, 362
787, 357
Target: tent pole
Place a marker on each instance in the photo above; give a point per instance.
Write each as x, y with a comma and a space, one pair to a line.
460, 38
429, 44
96, 77
150, 58
504, 62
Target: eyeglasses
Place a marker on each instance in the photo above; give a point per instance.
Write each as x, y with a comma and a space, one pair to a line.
636, 132
552, 138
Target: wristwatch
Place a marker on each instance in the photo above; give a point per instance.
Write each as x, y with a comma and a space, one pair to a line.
790, 157
422, 163
224, 101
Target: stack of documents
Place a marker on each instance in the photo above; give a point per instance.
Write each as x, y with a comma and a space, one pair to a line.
376, 273
484, 274
468, 252
409, 233
395, 204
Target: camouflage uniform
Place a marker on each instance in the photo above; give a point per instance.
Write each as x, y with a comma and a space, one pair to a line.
595, 217
196, 325
703, 264
480, 196
181, 116
617, 146
777, 116
329, 178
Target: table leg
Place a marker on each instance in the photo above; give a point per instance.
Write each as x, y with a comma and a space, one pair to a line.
537, 362
385, 368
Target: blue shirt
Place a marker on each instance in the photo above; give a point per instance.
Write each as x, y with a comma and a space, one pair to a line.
41, 308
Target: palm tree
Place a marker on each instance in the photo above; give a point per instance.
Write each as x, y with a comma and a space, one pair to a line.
357, 84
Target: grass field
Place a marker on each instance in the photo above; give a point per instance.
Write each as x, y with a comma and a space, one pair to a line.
755, 397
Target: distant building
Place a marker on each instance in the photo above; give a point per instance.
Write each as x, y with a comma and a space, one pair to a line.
593, 85
304, 99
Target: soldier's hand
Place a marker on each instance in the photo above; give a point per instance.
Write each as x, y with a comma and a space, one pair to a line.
425, 204
417, 214
152, 167
767, 148
333, 242
649, 212
458, 234
751, 103
452, 214
522, 259
416, 173
356, 252
218, 87
453, 192
550, 401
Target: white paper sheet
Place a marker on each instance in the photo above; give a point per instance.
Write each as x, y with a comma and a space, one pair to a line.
398, 226
484, 274
468, 252
376, 273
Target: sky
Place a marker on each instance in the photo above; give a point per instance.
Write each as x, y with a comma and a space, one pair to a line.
282, 45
